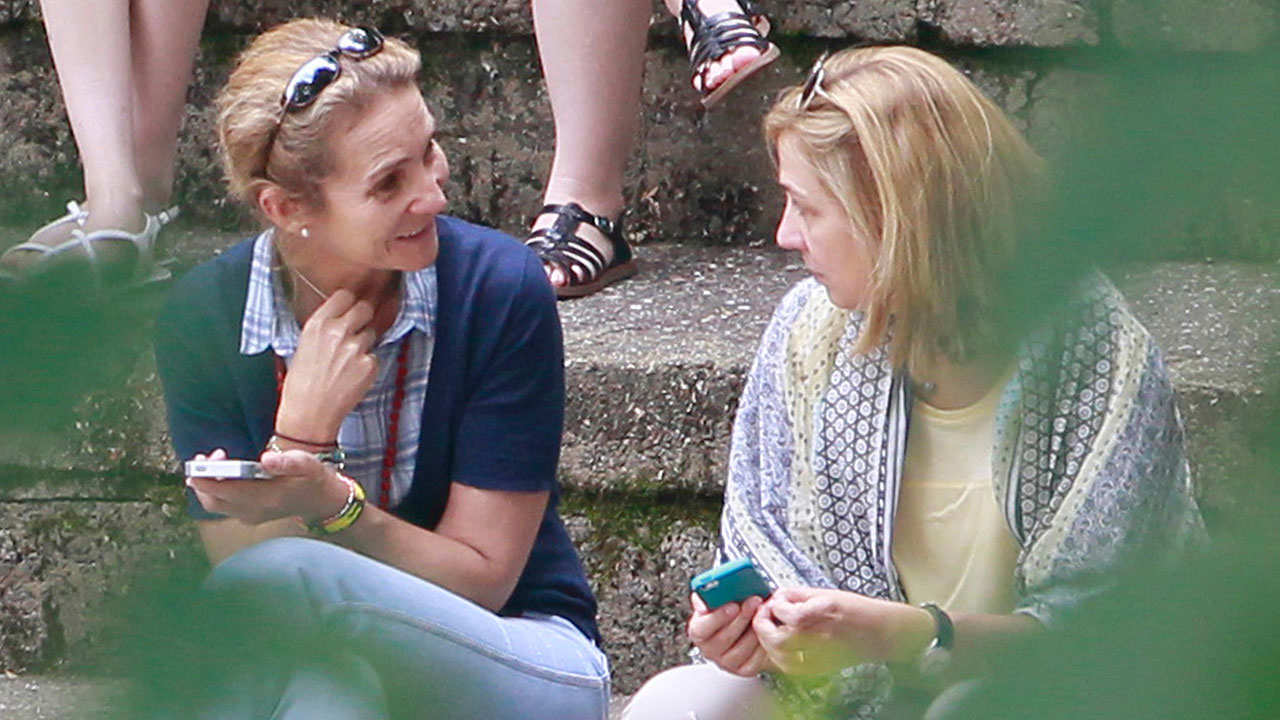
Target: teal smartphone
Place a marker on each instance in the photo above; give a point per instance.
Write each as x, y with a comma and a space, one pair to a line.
733, 581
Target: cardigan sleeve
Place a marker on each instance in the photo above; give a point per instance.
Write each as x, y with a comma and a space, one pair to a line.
509, 434
201, 401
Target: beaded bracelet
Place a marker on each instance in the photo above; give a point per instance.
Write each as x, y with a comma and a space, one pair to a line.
345, 517
334, 456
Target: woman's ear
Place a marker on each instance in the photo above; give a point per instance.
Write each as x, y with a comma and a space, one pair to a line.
282, 208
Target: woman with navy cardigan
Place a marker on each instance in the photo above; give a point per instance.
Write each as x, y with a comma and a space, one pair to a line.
399, 375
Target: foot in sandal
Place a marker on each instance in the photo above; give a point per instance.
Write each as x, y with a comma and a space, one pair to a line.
726, 43
582, 252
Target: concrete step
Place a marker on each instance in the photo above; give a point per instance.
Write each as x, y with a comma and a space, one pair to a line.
58, 697
993, 23
698, 176
654, 366
62, 696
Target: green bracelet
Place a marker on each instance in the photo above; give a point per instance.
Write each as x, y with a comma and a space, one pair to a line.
346, 517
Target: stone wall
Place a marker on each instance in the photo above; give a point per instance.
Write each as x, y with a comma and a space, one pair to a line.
694, 176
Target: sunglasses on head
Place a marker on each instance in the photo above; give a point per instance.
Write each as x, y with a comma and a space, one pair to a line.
319, 72
813, 83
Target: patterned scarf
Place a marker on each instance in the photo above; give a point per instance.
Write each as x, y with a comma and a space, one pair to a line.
1088, 460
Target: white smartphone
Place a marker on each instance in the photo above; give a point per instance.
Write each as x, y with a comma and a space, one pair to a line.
226, 469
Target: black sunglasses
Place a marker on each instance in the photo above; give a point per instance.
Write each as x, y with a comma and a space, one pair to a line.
813, 83
319, 73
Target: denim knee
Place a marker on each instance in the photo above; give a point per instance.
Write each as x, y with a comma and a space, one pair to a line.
292, 573
267, 563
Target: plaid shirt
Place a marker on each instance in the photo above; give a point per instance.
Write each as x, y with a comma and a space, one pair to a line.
269, 323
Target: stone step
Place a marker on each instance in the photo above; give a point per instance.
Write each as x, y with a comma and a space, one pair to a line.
654, 366
693, 175
63, 696
1240, 25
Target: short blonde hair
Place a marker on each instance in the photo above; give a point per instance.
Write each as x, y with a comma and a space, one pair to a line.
934, 174
250, 111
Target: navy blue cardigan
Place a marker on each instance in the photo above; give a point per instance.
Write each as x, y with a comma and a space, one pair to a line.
494, 405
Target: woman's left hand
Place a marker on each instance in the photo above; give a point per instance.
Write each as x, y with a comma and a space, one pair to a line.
818, 630
300, 486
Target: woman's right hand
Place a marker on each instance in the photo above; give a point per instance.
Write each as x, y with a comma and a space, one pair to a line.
725, 636
331, 371
300, 486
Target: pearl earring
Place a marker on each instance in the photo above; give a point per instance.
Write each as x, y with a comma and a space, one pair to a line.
306, 231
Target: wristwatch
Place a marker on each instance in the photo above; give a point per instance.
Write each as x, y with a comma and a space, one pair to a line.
937, 655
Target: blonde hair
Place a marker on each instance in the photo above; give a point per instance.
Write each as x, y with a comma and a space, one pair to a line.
934, 175
250, 110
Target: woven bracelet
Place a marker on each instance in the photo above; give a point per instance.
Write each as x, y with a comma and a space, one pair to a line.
300, 441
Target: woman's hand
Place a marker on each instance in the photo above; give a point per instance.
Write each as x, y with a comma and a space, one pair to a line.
300, 486
725, 637
816, 630
331, 371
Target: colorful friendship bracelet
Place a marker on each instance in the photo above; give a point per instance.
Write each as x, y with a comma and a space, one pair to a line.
349, 513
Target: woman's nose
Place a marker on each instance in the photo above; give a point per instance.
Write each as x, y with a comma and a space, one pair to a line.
429, 187
789, 236
429, 197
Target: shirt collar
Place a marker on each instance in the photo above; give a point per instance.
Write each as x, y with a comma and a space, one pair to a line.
269, 321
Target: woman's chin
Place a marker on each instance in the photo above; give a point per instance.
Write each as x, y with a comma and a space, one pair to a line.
837, 297
415, 252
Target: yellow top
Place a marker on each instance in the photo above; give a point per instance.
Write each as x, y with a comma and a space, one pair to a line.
951, 543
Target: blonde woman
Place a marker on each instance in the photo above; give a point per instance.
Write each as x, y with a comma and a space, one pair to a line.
399, 375
918, 484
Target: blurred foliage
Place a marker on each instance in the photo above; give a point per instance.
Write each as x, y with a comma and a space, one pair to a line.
1176, 142
61, 338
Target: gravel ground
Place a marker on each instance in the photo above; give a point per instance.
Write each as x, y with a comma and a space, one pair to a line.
70, 697
55, 697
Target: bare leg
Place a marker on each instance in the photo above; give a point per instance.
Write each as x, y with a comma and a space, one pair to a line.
90, 47
593, 59
701, 692
123, 69
165, 35
90, 44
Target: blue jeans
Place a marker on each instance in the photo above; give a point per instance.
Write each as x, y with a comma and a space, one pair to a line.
393, 645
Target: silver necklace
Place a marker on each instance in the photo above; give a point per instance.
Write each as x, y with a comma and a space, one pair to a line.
323, 295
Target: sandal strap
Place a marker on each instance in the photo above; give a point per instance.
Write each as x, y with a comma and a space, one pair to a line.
691, 12
567, 260
560, 245
36, 247
82, 239
75, 212
166, 216
579, 214
712, 37
573, 251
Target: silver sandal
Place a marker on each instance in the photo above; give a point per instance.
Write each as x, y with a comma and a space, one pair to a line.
145, 269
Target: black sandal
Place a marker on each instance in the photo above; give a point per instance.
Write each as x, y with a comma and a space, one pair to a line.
713, 37
559, 245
